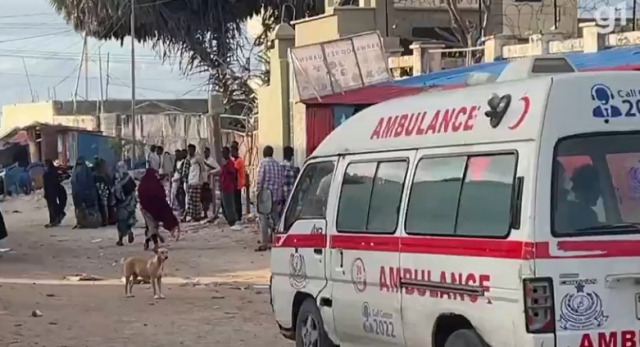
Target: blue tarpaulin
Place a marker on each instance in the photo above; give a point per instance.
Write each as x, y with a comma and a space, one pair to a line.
610, 58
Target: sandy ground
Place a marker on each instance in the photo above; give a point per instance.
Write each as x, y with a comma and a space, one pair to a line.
40, 253
97, 315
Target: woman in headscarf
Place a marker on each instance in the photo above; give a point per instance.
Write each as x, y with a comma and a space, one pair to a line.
54, 194
155, 208
84, 194
124, 192
103, 186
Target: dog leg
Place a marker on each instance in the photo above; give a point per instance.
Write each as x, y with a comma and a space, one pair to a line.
153, 284
132, 281
160, 295
128, 287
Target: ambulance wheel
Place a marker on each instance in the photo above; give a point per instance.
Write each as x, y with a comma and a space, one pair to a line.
310, 327
465, 338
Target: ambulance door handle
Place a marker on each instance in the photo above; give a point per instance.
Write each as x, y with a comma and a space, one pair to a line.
317, 251
341, 258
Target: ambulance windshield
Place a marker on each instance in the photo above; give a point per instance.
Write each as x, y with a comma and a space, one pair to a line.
596, 185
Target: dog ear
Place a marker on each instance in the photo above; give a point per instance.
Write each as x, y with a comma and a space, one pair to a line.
155, 250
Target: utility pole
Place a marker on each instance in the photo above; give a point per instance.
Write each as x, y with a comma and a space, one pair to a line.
100, 71
26, 72
86, 67
75, 89
101, 108
106, 87
133, 79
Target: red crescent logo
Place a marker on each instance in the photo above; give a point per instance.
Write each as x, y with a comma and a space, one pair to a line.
527, 105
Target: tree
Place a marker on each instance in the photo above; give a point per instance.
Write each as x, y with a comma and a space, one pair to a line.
466, 32
206, 36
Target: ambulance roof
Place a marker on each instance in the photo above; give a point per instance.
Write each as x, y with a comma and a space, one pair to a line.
452, 118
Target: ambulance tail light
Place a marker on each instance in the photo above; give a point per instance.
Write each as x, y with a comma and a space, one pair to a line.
539, 305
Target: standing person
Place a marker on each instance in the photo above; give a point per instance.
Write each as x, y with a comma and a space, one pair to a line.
54, 194
270, 178
124, 192
291, 172
241, 172
166, 170
153, 160
209, 184
228, 187
177, 187
164, 176
194, 185
155, 208
85, 197
103, 186
184, 181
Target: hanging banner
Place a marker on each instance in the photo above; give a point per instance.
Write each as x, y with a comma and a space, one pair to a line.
336, 66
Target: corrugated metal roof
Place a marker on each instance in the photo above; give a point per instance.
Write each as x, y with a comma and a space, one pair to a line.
627, 58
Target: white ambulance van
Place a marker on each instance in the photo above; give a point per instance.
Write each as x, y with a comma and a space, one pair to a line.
505, 214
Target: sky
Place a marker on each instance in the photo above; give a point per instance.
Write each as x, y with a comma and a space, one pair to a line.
51, 51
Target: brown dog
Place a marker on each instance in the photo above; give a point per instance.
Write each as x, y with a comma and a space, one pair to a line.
148, 270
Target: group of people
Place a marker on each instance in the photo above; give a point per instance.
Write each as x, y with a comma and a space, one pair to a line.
99, 198
193, 184
102, 199
173, 189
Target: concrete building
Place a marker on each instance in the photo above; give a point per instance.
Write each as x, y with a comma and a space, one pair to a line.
407, 27
85, 114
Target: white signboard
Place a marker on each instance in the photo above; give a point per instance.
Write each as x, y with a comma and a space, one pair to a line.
336, 66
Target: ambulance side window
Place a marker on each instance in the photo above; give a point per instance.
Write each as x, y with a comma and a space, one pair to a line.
309, 197
370, 196
462, 196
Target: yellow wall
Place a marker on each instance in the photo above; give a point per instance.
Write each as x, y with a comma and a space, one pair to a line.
18, 115
86, 122
274, 98
270, 119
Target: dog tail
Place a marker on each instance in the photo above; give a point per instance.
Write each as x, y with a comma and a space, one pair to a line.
122, 261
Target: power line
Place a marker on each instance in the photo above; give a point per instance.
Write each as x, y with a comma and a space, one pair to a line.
36, 36
48, 53
71, 58
90, 77
27, 15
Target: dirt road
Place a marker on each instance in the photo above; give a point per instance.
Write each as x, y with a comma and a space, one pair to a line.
40, 253
97, 315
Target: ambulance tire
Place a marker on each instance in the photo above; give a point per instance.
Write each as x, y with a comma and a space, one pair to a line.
307, 311
465, 338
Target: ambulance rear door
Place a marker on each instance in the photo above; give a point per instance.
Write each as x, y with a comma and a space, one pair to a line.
588, 210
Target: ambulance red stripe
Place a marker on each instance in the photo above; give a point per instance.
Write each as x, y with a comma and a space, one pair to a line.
485, 248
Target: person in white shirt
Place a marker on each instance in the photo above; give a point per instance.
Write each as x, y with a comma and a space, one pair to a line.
178, 193
153, 160
209, 185
164, 173
194, 185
